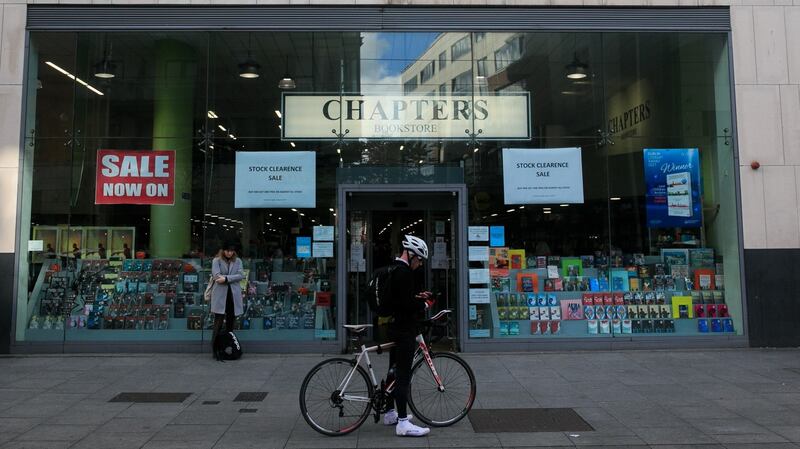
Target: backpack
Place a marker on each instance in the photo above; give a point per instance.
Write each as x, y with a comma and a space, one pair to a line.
379, 291
227, 346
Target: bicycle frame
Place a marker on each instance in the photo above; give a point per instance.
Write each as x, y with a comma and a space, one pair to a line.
422, 349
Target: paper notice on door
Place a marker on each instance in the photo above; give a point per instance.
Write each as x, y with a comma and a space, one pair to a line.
478, 233
479, 296
478, 253
478, 275
439, 259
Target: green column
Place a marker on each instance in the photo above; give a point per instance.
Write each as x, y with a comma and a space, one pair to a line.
173, 105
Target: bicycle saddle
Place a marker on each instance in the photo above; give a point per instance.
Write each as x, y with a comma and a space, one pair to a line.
356, 328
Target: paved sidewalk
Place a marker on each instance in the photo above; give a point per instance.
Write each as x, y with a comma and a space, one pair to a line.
633, 399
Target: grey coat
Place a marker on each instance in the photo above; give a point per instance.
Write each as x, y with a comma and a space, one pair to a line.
233, 273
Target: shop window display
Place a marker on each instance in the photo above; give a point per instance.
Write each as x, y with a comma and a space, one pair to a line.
600, 265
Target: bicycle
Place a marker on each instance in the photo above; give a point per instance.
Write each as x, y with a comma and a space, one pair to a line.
337, 396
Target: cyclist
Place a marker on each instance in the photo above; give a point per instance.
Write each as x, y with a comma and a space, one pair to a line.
407, 304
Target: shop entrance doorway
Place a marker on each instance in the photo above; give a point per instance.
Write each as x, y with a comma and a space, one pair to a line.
374, 220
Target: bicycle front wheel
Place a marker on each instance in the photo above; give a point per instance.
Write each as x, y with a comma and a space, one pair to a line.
444, 407
325, 407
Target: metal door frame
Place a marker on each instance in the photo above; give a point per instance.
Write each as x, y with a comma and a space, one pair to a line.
460, 237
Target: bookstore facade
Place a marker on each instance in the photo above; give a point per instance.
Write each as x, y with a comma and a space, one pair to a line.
576, 188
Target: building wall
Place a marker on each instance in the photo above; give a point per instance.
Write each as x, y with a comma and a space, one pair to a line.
766, 45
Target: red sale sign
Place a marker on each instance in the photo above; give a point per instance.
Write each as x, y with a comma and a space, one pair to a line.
135, 177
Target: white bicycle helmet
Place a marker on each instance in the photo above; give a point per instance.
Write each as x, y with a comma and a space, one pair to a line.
416, 245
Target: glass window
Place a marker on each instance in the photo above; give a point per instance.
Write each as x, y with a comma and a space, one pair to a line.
460, 48
635, 252
427, 72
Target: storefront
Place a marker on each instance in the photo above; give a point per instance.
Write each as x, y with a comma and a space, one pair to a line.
577, 188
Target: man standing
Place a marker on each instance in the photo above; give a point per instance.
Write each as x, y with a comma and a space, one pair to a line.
407, 303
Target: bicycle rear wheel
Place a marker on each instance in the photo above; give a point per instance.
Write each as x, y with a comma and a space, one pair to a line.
441, 408
321, 405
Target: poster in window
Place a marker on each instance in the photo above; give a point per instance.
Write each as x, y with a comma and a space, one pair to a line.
277, 179
673, 187
542, 176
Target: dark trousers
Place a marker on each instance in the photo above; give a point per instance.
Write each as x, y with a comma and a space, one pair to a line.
228, 317
400, 358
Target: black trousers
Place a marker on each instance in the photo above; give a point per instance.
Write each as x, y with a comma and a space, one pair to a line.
228, 317
400, 358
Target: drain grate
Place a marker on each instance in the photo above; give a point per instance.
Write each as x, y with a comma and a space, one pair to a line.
151, 397
527, 420
248, 410
250, 396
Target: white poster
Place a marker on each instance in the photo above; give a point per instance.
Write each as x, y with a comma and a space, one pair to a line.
478, 275
478, 254
395, 117
276, 179
322, 249
35, 245
478, 233
479, 296
439, 259
323, 233
542, 176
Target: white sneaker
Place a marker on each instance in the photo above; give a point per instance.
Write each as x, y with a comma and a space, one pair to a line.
406, 428
390, 418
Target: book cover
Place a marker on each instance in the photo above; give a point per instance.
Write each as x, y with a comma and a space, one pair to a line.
541, 261
702, 258
619, 280
527, 282
552, 272
704, 279
682, 307
679, 270
498, 258
587, 261
571, 266
571, 309
675, 256
517, 259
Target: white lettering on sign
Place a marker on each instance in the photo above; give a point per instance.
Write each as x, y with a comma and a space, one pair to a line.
132, 166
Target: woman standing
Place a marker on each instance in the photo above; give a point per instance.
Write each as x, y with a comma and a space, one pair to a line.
226, 295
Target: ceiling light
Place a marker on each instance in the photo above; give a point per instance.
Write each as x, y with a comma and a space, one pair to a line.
564, 205
615, 198
212, 114
280, 126
292, 144
338, 151
294, 210
576, 70
73, 77
401, 147
249, 68
548, 212
494, 215
105, 69
330, 209
222, 128
278, 113
232, 136
287, 82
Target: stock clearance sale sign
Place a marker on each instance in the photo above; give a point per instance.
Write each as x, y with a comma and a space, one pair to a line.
135, 177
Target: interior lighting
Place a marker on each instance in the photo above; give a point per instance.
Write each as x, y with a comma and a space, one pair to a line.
401, 147
212, 114
292, 144
330, 209
249, 68
294, 210
494, 215
548, 212
615, 198
278, 113
511, 210
286, 82
563, 205
577, 70
232, 136
222, 128
105, 69
73, 77
475, 150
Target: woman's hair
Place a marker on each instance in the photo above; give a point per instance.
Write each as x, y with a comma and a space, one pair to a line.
221, 254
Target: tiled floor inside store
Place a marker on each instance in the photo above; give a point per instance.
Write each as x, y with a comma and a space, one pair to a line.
744, 398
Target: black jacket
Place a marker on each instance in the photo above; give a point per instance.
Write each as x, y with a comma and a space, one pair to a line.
406, 308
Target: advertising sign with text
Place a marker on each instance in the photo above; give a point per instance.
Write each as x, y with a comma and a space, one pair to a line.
135, 177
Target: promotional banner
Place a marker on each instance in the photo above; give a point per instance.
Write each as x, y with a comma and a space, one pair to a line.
135, 177
280, 179
672, 182
542, 176
403, 117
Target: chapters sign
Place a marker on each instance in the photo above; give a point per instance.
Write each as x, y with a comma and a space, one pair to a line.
280, 179
135, 177
401, 117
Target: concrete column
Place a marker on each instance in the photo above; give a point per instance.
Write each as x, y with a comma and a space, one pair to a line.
175, 68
